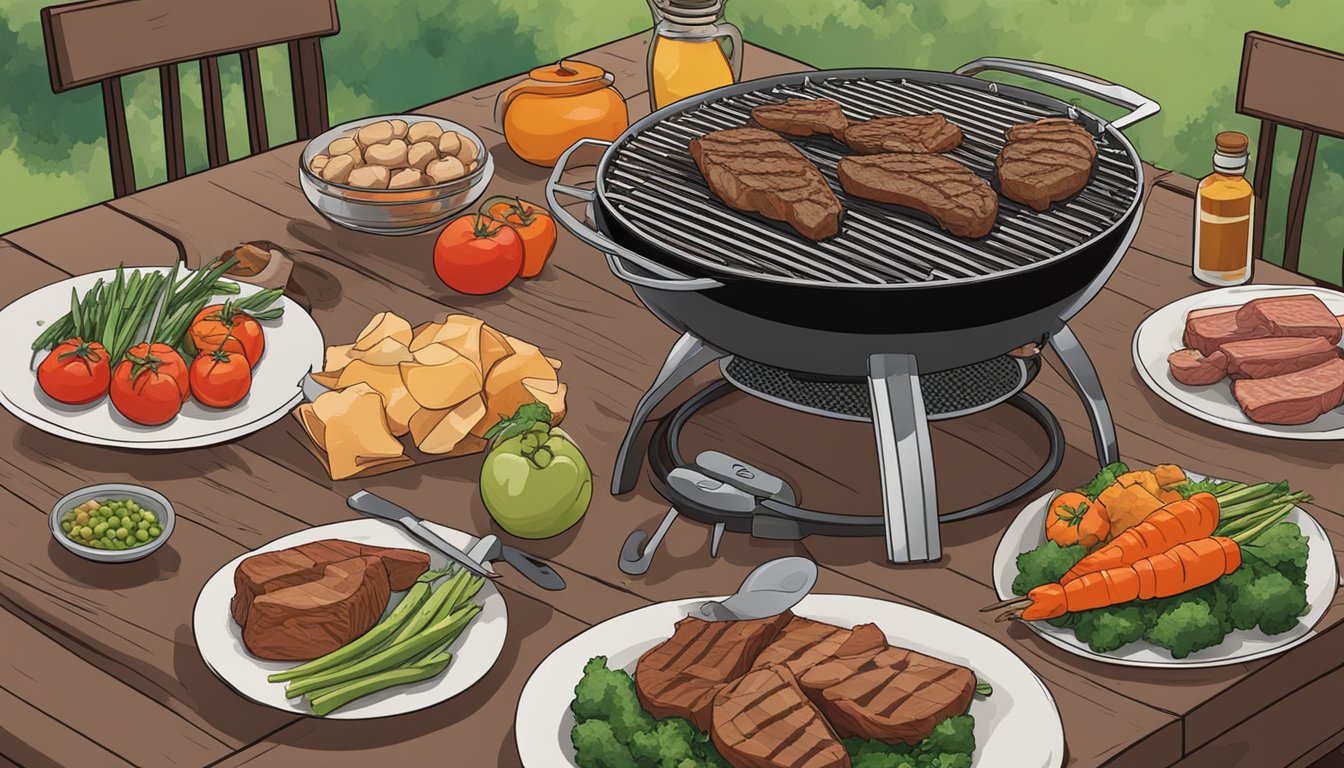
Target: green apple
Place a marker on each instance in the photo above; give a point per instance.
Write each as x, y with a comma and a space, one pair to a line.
535, 482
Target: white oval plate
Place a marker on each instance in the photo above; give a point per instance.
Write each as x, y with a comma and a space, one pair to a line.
293, 347
1028, 532
220, 640
1161, 333
1018, 725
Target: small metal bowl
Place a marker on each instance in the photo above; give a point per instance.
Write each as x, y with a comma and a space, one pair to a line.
393, 211
146, 498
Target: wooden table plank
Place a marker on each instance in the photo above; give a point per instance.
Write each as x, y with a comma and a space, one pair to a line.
61, 745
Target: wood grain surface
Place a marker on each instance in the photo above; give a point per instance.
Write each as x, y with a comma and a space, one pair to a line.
124, 633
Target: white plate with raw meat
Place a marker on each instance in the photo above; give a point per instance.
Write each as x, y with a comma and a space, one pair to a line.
220, 639
1017, 724
1164, 332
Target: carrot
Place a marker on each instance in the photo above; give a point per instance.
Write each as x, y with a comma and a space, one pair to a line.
1178, 522
1075, 519
1184, 567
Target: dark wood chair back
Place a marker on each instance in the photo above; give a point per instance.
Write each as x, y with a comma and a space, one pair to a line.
1288, 83
99, 41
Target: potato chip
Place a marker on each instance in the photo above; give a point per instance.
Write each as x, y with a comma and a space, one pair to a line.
389, 351
338, 357
504, 390
495, 346
440, 431
462, 333
317, 431
357, 439
440, 378
386, 381
384, 325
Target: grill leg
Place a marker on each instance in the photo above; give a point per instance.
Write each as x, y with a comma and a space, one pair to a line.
1085, 380
688, 355
905, 457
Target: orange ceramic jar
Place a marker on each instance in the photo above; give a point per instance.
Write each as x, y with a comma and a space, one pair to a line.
556, 106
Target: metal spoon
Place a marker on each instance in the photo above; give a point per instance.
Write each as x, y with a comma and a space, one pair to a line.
771, 589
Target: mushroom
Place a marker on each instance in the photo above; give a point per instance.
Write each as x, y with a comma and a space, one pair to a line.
422, 131
370, 177
398, 129
407, 178
318, 163
374, 133
446, 169
450, 143
338, 168
391, 154
420, 154
469, 152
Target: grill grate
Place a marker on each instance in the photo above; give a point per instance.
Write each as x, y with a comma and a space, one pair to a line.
654, 184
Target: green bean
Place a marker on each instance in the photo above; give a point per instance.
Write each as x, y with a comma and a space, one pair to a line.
434, 636
430, 611
338, 696
365, 643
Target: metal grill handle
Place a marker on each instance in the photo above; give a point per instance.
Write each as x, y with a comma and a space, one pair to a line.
1141, 107
665, 279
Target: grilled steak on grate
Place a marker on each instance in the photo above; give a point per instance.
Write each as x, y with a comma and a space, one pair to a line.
961, 202
803, 117
894, 695
903, 133
1045, 161
764, 721
756, 170
1293, 398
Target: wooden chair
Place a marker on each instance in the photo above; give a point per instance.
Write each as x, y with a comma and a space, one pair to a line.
1287, 83
99, 41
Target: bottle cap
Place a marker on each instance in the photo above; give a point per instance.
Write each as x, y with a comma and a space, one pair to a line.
1232, 143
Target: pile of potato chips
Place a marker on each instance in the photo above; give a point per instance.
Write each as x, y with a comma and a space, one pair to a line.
443, 383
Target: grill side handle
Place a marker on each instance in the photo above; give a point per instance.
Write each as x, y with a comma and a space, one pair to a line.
662, 278
1140, 107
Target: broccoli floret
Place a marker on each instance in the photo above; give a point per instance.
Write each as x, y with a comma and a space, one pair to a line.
858, 747
1185, 628
1103, 480
1271, 602
955, 734
948, 760
1283, 548
1045, 564
596, 746
1107, 629
671, 742
884, 760
605, 694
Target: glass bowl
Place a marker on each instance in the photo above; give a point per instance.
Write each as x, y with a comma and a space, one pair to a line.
393, 211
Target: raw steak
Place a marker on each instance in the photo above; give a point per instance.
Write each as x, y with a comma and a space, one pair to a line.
308, 620
961, 202
1275, 356
765, 721
1209, 329
802, 117
1293, 398
903, 133
1193, 369
757, 171
680, 676
894, 695
1301, 314
1045, 161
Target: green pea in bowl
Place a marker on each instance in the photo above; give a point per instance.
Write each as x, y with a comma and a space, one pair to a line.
112, 522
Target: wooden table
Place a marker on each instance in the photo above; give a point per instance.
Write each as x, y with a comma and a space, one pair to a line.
100, 664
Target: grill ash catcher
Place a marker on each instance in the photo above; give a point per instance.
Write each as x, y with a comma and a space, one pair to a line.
893, 321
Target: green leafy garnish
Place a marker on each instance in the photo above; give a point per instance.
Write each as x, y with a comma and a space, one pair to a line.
525, 418
1103, 480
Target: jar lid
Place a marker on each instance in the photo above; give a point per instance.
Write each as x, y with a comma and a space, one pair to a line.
1232, 143
690, 12
567, 71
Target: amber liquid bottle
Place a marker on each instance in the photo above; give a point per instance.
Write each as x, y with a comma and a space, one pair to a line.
1225, 208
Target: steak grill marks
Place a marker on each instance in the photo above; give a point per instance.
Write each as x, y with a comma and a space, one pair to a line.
653, 183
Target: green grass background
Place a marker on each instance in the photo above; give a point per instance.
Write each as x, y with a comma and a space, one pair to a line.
394, 54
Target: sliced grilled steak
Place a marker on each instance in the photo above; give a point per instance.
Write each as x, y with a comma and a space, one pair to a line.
1045, 161
680, 676
894, 695
1293, 398
961, 202
1210, 328
804, 643
903, 133
269, 571
802, 117
307, 620
757, 171
765, 721
1275, 356
1301, 314
1193, 369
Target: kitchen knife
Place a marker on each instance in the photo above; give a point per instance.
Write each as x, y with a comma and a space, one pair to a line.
490, 549
376, 506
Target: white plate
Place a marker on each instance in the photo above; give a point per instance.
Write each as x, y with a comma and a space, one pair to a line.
1018, 725
1028, 532
293, 347
1161, 333
220, 640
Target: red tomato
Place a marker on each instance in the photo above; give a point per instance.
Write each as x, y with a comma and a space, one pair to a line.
145, 394
74, 372
533, 224
222, 327
166, 360
477, 255
219, 379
